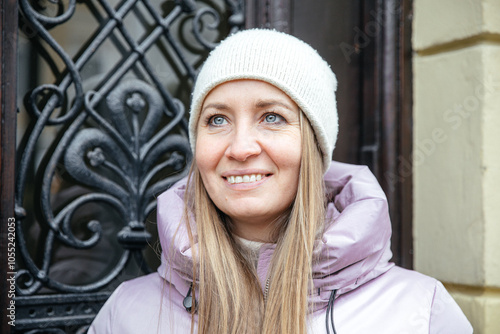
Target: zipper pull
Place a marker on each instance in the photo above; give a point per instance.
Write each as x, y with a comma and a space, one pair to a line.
188, 300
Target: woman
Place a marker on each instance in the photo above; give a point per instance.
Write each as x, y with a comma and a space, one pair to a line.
274, 237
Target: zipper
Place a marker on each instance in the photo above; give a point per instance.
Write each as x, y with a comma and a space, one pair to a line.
266, 290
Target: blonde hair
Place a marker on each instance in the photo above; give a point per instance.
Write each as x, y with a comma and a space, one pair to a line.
230, 297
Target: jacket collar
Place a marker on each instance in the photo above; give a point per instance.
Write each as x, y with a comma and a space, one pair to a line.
355, 247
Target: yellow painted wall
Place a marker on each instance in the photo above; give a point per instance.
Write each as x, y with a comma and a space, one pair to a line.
456, 156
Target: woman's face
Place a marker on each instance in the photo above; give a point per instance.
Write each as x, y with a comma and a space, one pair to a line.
248, 152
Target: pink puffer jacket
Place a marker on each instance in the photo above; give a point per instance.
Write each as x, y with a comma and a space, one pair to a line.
371, 295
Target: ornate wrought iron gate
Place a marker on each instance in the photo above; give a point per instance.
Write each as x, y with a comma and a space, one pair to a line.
103, 132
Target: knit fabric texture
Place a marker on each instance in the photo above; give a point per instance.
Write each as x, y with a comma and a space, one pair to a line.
283, 61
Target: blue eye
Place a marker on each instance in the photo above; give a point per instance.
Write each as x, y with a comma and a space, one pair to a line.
218, 120
273, 118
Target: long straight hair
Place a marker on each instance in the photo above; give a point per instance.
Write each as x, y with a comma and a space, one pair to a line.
230, 297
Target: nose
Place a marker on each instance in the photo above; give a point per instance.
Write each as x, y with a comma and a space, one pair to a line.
244, 144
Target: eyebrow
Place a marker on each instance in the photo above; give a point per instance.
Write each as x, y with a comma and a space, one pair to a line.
269, 103
218, 106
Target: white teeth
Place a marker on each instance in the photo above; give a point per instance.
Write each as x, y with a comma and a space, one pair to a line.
244, 178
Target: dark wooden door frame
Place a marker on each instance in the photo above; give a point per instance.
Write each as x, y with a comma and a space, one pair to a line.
386, 144
8, 79
396, 171
384, 45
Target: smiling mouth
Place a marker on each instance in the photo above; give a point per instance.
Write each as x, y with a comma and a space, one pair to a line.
245, 178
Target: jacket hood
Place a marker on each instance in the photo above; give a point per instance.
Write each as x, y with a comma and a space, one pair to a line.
354, 248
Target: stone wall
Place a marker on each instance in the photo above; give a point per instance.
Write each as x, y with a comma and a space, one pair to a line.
456, 156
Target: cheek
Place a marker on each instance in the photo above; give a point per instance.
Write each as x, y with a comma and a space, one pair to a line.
206, 155
290, 164
202, 159
288, 154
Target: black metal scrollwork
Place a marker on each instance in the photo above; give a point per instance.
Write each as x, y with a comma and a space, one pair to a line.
116, 146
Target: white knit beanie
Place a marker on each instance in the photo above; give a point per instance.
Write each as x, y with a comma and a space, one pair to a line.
283, 61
